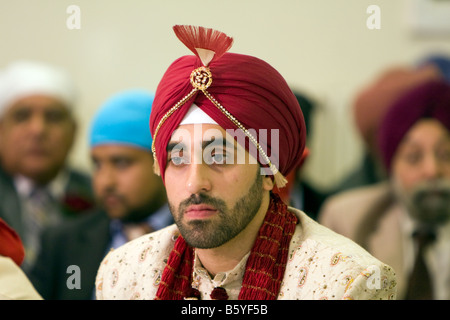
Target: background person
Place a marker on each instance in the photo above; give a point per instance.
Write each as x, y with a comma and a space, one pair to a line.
389, 217
131, 199
37, 129
368, 109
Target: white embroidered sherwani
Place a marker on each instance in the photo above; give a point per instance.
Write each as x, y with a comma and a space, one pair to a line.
321, 265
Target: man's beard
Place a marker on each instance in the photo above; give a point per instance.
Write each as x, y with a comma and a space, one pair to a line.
212, 233
429, 202
130, 213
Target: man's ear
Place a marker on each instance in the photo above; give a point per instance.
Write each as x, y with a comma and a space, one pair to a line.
268, 183
73, 131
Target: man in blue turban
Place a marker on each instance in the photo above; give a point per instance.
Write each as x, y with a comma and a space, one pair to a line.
131, 200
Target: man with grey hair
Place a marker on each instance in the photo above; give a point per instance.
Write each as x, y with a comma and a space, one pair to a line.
405, 221
37, 131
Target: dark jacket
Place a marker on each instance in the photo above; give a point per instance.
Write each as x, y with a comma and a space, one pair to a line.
71, 255
78, 197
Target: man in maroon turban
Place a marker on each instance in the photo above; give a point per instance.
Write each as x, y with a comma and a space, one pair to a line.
368, 109
408, 215
226, 130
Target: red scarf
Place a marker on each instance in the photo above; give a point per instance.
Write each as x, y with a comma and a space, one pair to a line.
265, 266
10, 243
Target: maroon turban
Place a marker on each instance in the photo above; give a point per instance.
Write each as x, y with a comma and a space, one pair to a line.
372, 103
430, 100
248, 88
10, 244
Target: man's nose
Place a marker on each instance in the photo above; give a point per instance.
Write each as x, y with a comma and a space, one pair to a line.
198, 178
105, 177
37, 124
431, 167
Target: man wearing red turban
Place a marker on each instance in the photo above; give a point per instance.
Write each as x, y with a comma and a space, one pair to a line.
226, 130
393, 219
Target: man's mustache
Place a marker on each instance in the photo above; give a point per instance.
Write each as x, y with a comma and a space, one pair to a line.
104, 195
437, 187
197, 199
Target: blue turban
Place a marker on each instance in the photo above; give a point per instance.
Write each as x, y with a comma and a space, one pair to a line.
124, 119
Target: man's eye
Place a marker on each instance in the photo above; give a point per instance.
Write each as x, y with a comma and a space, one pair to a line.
122, 163
21, 115
412, 158
215, 158
55, 116
219, 158
178, 161
178, 157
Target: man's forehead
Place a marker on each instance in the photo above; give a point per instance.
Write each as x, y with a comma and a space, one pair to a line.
206, 135
201, 132
117, 149
426, 129
196, 115
39, 101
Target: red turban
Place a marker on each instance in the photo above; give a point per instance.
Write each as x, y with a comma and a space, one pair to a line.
248, 88
430, 100
371, 104
10, 244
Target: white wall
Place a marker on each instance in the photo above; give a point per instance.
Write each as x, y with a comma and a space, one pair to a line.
322, 47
